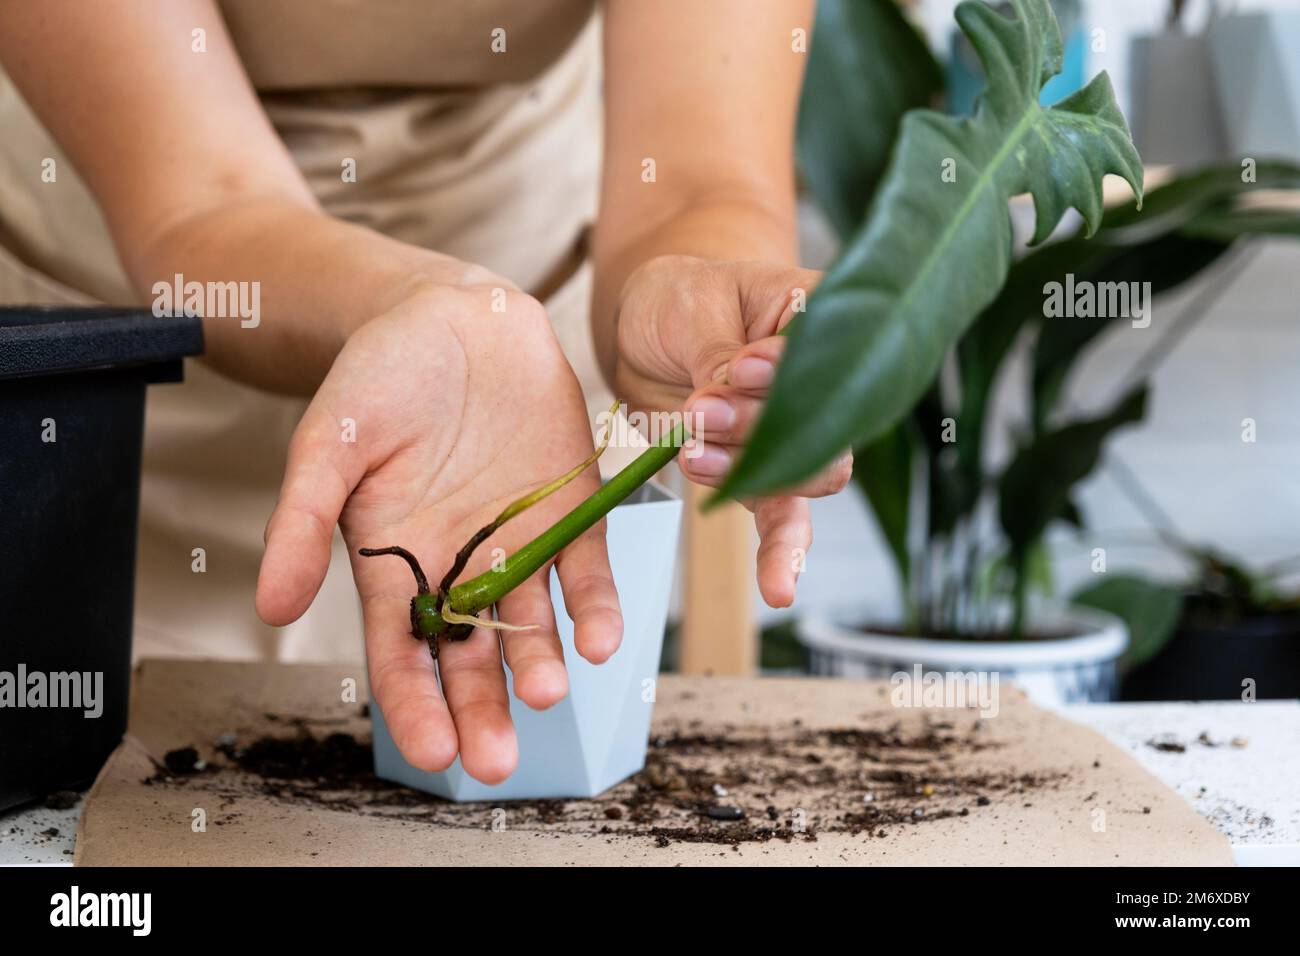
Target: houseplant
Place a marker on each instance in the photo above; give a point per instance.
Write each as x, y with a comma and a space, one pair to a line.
966, 564
1223, 629
1226, 630
968, 543
863, 361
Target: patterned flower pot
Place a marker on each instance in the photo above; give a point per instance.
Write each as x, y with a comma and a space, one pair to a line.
1057, 670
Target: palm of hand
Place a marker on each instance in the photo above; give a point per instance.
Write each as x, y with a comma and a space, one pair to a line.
459, 411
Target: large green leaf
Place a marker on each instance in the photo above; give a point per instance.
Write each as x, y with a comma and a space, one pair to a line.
933, 253
868, 66
1035, 487
1178, 202
1150, 610
1229, 225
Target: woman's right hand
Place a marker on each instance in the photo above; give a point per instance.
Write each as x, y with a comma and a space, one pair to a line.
434, 417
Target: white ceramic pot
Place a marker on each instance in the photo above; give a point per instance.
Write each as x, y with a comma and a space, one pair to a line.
596, 736
1052, 671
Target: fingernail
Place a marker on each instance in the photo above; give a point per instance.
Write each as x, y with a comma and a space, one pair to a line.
712, 414
711, 462
753, 372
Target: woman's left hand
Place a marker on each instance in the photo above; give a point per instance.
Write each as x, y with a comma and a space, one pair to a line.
701, 336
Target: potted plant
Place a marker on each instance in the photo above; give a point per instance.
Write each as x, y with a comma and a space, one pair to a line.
1225, 631
863, 363
980, 548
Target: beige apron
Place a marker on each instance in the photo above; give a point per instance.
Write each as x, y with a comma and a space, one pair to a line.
489, 157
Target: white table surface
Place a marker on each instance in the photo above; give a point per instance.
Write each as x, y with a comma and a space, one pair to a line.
1251, 792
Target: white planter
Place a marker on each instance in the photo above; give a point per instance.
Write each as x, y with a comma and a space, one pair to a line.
596, 736
1053, 671
1256, 59
1175, 113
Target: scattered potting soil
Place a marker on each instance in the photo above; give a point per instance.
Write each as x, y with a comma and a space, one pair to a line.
728, 787
62, 800
1168, 746
182, 760
1172, 745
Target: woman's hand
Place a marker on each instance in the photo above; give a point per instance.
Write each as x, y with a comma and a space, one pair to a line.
702, 335
433, 418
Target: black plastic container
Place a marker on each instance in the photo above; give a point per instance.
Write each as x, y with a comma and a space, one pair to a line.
1210, 663
72, 385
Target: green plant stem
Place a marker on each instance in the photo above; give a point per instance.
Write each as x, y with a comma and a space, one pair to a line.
1019, 596
489, 587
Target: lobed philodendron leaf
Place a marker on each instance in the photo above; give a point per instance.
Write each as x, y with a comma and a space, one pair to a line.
936, 246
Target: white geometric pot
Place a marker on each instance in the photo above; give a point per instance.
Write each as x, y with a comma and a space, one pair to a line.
1256, 60
1174, 113
1053, 671
596, 736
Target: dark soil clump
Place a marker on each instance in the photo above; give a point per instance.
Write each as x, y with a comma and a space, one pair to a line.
182, 760
62, 800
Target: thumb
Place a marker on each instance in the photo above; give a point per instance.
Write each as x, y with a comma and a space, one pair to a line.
762, 300
321, 472
713, 353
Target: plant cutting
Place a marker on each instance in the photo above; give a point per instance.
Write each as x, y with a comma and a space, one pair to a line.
451, 611
596, 735
927, 279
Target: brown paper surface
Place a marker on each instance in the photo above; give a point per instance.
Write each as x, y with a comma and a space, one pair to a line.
1033, 786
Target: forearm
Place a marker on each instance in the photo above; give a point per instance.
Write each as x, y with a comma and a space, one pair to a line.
311, 280
707, 93
194, 182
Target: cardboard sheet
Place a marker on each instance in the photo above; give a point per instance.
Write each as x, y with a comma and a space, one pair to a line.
825, 772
